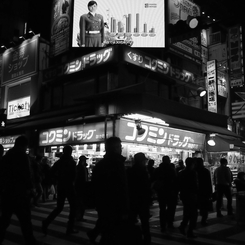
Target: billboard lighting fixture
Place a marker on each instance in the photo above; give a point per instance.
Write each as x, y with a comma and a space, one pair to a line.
201, 91
211, 140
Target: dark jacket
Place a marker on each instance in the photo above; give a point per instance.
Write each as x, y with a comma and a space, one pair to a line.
166, 176
110, 184
204, 182
15, 173
188, 184
139, 186
65, 171
240, 184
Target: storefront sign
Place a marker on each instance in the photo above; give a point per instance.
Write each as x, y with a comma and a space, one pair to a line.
138, 58
78, 134
61, 26
18, 108
20, 61
222, 84
212, 86
8, 141
160, 136
91, 60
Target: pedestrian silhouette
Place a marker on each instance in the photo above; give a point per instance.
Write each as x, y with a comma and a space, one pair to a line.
16, 188
65, 170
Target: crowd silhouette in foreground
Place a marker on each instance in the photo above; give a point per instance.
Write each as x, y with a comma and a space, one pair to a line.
120, 195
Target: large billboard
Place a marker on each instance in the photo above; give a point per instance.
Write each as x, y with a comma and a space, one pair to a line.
135, 23
60, 26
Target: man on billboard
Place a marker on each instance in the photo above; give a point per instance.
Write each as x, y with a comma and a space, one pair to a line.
91, 27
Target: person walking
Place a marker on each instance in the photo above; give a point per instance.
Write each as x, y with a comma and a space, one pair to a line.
80, 187
223, 184
165, 186
205, 189
16, 188
65, 170
188, 186
139, 186
111, 194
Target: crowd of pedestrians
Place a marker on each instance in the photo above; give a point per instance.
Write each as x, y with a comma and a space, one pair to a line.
120, 195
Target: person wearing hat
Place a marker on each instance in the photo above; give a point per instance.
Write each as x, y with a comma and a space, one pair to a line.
80, 186
140, 194
65, 170
91, 27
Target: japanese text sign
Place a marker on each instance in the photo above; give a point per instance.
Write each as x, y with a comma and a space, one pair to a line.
160, 136
90, 60
20, 61
138, 58
78, 134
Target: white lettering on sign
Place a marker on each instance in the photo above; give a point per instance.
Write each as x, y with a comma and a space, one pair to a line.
161, 136
19, 108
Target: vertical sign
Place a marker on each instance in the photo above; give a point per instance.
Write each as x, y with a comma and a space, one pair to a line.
212, 85
236, 56
60, 26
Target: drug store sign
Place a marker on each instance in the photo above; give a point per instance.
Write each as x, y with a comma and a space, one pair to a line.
161, 136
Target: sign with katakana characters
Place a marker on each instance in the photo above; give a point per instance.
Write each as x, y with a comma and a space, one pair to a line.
8, 141
77, 134
143, 60
20, 61
161, 136
82, 63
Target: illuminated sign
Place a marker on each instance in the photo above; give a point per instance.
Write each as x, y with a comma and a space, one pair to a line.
77, 134
134, 23
94, 59
60, 26
18, 108
212, 85
138, 58
20, 61
222, 84
8, 141
160, 136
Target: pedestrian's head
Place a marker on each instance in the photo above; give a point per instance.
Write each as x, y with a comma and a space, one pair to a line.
1, 150
113, 145
140, 159
21, 142
92, 6
83, 159
166, 160
223, 161
67, 150
189, 162
181, 163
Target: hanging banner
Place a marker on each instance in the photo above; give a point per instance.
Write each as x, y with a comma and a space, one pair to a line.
212, 85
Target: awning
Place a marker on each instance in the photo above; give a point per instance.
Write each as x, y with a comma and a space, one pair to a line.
191, 125
46, 122
223, 143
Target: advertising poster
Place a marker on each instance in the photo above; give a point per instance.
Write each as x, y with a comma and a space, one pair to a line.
19, 108
212, 86
60, 26
182, 10
134, 23
20, 61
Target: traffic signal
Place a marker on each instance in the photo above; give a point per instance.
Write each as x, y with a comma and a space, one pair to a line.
185, 29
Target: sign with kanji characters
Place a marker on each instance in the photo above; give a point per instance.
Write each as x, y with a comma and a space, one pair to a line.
212, 85
19, 108
20, 61
143, 60
94, 59
161, 136
77, 134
